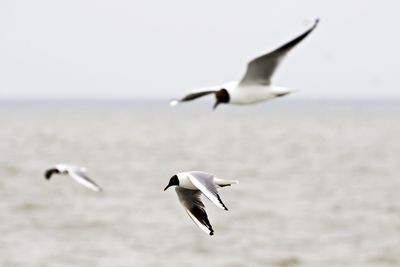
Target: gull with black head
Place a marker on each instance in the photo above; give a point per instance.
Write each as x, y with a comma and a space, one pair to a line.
189, 187
256, 85
77, 173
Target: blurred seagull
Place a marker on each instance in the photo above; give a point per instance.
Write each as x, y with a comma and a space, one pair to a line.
78, 173
256, 85
189, 187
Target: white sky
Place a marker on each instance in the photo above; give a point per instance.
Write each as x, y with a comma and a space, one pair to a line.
142, 49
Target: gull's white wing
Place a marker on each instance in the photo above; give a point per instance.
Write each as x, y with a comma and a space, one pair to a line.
190, 200
82, 178
261, 69
205, 183
196, 94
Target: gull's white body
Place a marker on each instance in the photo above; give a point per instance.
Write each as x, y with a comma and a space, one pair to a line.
253, 93
64, 168
186, 178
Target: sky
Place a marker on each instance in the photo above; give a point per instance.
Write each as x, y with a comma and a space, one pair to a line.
87, 49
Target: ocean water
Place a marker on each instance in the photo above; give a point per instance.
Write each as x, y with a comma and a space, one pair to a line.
319, 184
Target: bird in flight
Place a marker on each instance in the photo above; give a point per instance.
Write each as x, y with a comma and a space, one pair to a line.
256, 85
189, 187
77, 173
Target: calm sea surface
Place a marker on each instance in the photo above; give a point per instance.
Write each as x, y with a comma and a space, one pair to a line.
319, 184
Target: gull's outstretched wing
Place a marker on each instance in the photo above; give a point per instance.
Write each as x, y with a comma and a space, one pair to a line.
261, 69
205, 183
82, 178
195, 94
190, 200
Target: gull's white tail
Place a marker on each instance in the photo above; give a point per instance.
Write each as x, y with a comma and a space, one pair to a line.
223, 182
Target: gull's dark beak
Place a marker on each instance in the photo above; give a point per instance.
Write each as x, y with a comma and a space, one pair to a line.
167, 186
216, 105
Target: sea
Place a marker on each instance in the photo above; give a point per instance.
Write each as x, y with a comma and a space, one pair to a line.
319, 183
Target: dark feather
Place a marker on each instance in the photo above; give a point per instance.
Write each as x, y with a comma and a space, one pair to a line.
193, 96
50, 172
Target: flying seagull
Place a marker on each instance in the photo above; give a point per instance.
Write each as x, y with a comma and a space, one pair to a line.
77, 173
190, 186
255, 86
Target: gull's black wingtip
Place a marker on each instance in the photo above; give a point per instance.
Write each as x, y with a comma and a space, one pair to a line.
316, 22
212, 232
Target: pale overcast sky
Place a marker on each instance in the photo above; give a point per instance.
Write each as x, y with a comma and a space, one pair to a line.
146, 49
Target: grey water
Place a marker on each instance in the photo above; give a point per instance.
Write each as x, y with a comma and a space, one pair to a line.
319, 184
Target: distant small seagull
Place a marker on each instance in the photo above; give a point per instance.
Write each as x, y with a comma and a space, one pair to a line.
190, 185
256, 85
78, 173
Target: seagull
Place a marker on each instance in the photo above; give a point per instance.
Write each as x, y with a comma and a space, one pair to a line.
78, 173
255, 86
189, 187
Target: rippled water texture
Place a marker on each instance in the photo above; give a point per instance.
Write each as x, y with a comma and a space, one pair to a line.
319, 184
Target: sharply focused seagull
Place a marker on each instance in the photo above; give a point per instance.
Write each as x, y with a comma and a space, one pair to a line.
77, 173
256, 85
189, 186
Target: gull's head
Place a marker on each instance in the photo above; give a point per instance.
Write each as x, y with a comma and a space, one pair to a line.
221, 96
50, 172
174, 181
